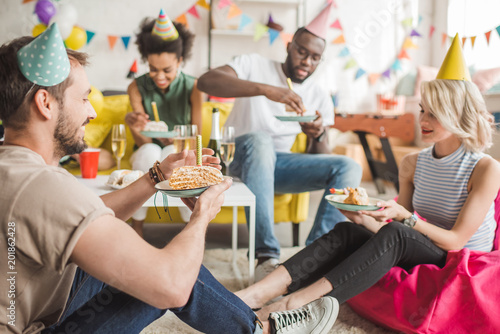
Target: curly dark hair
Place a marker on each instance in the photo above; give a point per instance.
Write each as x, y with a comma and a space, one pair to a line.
153, 44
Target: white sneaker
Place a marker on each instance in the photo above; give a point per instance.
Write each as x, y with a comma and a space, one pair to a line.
265, 268
317, 317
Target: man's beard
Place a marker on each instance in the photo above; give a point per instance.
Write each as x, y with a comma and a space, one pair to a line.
291, 71
66, 143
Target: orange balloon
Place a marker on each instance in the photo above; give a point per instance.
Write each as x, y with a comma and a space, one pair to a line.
38, 29
76, 39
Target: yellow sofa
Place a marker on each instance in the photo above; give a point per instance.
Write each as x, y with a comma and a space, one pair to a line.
112, 109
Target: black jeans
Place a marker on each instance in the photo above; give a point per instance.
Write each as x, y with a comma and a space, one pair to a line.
352, 258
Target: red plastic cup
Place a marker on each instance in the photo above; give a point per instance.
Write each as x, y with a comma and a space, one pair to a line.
89, 162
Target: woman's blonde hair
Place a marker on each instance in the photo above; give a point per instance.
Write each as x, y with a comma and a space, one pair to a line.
459, 107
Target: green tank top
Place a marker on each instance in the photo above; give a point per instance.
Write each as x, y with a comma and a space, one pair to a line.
174, 106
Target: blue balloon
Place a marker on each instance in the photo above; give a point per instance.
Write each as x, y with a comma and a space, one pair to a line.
45, 9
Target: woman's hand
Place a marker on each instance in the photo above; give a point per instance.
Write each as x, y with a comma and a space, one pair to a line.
392, 210
188, 158
358, 217
136, 120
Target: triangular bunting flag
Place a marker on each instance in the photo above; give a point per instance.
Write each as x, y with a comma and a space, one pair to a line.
339, 40
415, 33
407, 22
182, 19
26, 1
344, 52
245, 20
487, 34
260, 30
431, 31
336, 25
359, 73
112, 41
443, 38
498, 30
90, 35
463, 41
273, 33
396, 66
233, 11
286, 38
387, 73
403, 54
193, 11
125, 40
373, 77
350, 64
420, 18
473, 41
133, 70
203, 3
224, 3
408, 44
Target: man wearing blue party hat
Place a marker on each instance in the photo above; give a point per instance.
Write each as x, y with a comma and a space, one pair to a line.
72, 264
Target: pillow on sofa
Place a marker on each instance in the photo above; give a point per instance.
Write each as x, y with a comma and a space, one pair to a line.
485, 79
424, 73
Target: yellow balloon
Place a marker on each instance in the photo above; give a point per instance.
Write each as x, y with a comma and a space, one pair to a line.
96, 99
76, 39
38, 29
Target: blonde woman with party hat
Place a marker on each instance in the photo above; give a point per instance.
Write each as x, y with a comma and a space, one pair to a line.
452, 184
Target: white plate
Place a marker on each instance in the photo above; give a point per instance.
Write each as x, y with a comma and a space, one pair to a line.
307, 118
165, 188
338, 202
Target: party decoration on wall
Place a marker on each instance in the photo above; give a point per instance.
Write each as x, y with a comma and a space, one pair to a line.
45, 10
193, 11
38, 29
203, 4
112, 41
394, 67
125, 40
76, 39
44, 60
133, 70
90, 35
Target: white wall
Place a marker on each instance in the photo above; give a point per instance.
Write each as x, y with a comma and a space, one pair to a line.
377, 19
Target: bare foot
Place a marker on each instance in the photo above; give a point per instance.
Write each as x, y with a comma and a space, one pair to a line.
251, 299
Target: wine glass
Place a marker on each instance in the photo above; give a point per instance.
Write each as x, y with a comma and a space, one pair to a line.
227, 146
118, 142
180, 136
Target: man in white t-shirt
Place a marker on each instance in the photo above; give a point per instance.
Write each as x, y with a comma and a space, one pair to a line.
262, 158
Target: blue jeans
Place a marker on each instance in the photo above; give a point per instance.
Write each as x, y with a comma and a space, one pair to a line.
95, 307
266, 172
352, 258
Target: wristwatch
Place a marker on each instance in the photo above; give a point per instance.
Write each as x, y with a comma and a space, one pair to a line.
411, 221
321, 136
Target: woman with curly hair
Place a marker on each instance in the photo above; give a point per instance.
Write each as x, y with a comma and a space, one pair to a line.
165, 46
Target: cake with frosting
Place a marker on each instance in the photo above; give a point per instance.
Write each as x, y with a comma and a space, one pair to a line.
153, 126
357, 196
191, 177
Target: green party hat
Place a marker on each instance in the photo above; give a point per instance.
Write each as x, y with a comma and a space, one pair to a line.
164, 27
44, 61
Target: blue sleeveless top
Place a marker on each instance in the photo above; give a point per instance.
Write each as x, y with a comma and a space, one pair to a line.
441, 191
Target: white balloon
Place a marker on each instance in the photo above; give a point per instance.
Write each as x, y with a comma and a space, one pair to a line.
65, 29
68, 12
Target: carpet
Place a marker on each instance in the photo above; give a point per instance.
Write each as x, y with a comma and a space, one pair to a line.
218, 261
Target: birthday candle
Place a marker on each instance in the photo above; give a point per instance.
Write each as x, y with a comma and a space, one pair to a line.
155, 111
198, 150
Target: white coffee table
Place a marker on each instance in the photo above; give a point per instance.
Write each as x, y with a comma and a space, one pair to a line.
237, 195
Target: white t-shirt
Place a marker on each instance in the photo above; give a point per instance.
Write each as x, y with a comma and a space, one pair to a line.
257, 113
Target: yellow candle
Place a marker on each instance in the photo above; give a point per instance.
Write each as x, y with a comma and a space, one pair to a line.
155, 111
198, 150
289, 82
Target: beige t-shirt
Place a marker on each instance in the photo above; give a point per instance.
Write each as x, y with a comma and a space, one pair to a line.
43, 212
